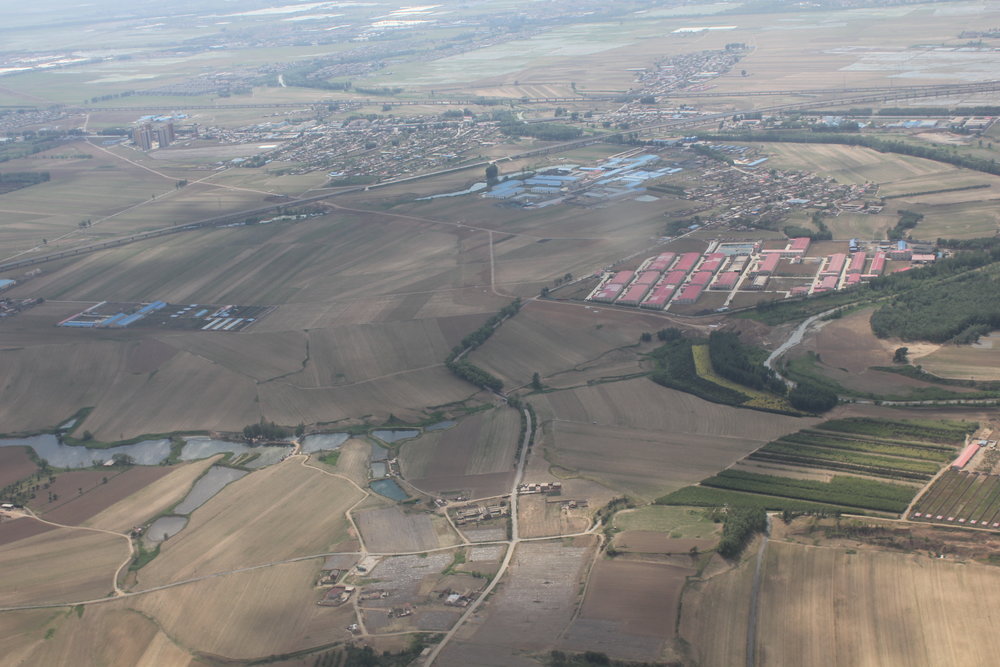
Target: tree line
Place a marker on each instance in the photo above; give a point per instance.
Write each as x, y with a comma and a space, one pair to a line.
466, 369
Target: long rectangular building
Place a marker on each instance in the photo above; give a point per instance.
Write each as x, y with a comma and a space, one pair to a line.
702, 278
727, 280
878, 264
675, 277
635, 292
768, 264
836, 264
610, 290
690, 293
662, 262
687, 261
857, 263
713, 262
659, 296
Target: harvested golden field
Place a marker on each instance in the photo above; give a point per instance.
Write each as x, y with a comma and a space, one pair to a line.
78, 188
858, 225
276, 513
714, 614
141, 506
641, 438
854, 164
49, 567
477, 454
106, 634
980, 361
250, 614
952, 217
831, 607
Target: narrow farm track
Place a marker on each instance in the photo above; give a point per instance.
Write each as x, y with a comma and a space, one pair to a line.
514, 539
755, 598
131, 547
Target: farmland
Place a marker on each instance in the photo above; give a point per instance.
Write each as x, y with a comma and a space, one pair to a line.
525, 607
476, 455
390, 530
15, 465
961, 497
630, 609
48, 568
979, 361
106, 634
252, 521
867, 464
266, 611
805, 589
656, 450
373, 294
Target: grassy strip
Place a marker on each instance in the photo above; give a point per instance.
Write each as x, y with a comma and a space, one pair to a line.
928, 468
833, 466
939, 455
848, 491
943, 431
143, 556
330, 458
702, 496
938, 192
807, 461
676, 369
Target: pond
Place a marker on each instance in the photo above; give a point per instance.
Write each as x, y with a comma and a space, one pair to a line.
379, 469
203, 447
440, 426
165, 525
379, 453
395, 435
389, 488
210, 484
59, 455
323, 442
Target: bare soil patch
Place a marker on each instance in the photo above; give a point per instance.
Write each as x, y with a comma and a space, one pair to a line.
539, 518
19, 529
630, 609
120, 484
652, 542
391, 530
15, 464
533, 604
148, 354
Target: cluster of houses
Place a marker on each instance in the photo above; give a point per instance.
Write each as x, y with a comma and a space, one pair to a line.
476, 513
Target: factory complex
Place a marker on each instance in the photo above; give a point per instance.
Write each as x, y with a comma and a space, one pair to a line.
728, 270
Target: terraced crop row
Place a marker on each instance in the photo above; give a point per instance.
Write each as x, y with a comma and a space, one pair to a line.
963, 498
